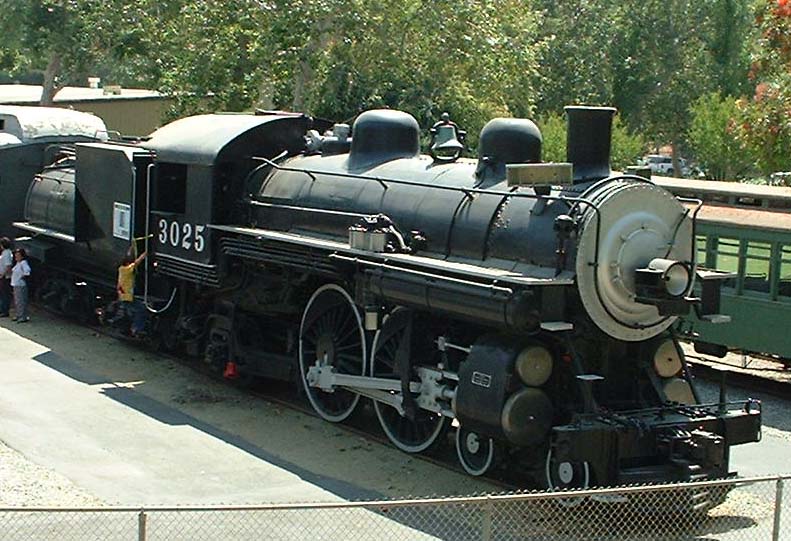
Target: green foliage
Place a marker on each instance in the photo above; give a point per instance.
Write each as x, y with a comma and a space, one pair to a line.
475, 60
66, 39
766, 125
729, 43
576, 61
651, 59
713, 138
214, 58
627, 147
663, 64
553, 132
766, 118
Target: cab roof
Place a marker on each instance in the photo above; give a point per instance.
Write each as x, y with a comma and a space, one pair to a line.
204, 139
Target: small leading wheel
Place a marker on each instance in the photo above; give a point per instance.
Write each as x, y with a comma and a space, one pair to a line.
476, 452
332, 334
410, 435
566, 476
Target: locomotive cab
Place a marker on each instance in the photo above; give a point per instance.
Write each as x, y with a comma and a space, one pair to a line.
199, 178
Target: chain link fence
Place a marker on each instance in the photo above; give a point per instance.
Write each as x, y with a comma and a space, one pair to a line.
728, 510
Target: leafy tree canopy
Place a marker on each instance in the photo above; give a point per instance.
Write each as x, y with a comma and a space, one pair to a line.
713, 137
766, 117
651, 59
65, 39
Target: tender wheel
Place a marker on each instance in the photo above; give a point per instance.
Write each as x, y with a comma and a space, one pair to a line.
412, 436
332, 334
476, 452
565, 476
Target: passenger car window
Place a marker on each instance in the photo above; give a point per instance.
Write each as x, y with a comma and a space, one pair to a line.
727, 259
784, 287
728, 254
700, 243
756, 266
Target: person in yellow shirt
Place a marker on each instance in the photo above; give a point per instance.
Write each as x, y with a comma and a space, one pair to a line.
126, 292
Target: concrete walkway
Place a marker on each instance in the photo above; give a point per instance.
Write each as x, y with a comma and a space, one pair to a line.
131, 450
85, 431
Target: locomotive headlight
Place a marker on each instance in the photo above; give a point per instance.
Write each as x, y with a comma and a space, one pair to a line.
667, 361
534, 365
676, 276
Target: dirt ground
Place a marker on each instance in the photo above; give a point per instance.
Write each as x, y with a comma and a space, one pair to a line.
302, 441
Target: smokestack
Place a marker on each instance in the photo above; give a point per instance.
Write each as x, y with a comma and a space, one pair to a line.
588, 136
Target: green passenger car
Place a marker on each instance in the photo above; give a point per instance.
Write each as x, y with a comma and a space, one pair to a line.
755, 244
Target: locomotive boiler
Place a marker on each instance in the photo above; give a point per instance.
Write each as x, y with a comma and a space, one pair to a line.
527, 306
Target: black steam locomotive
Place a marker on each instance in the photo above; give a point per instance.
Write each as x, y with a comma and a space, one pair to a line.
527, 305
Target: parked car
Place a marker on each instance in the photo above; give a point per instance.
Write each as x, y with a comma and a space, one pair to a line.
661, 164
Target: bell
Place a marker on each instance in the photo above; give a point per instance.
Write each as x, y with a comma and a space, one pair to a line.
445, 143
445, 140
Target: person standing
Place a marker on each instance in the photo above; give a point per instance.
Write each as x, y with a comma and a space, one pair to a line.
19, 276
6, 264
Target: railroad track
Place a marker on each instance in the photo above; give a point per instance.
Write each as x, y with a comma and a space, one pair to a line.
712, 370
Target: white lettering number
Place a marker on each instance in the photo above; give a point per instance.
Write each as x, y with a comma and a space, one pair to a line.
174, 234
186, 239
199, 242
163, 231
181, 236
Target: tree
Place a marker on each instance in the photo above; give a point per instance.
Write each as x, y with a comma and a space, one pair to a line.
210, 54
575, 59
335, 58
553, 133
664, 65
650, 58
627, 146
729, 43
766, 118
63, 38
476, 60
713, 137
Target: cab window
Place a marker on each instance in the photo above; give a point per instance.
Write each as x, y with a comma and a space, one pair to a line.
728, 254
170, 188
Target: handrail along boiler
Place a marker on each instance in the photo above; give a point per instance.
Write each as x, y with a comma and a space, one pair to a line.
528, 306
